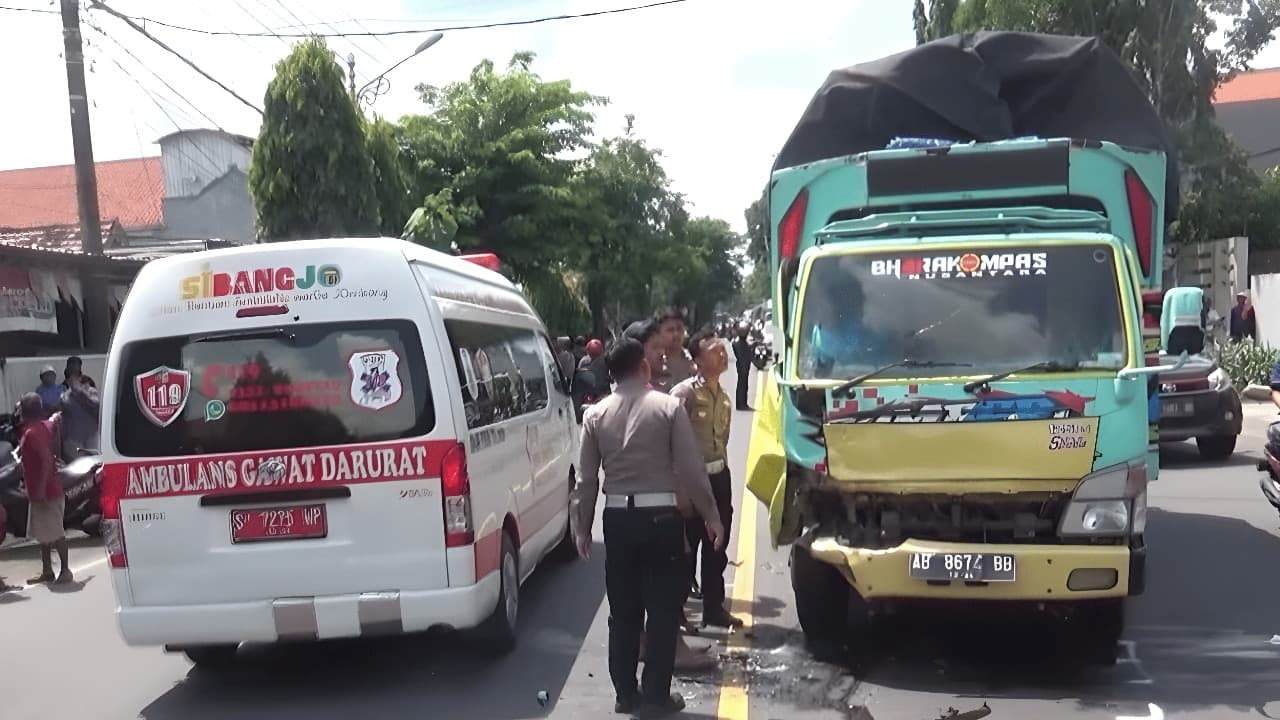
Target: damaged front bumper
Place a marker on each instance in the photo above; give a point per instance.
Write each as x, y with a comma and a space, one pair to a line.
1044, 572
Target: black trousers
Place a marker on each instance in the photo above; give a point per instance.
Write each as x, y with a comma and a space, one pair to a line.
714, 561
645, 573
744, 372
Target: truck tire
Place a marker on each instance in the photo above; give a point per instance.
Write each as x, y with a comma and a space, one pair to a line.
1101, 623
498, 632
1216, 447
822, 603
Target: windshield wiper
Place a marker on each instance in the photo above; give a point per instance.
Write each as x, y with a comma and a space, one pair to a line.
1046, 365
267, 334
851, 383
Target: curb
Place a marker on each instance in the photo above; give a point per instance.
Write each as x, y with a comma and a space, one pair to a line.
1256, 393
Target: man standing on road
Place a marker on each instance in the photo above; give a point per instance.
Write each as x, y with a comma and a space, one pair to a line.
648, 334
1244, 322
710, 413
643, 442
80, 416
37, 449
676, 366
743, 354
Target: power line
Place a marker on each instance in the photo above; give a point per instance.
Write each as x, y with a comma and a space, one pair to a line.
386, 33
31, 10
164, 82
213, 165
98, 5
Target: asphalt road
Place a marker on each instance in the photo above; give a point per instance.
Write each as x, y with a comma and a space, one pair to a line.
1198, 643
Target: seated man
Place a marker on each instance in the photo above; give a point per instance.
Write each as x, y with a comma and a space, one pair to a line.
841, 343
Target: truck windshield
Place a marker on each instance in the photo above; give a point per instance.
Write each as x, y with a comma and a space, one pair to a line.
991, 309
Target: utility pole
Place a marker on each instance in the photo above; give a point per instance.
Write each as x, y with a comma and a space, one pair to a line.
351, 65
97, 318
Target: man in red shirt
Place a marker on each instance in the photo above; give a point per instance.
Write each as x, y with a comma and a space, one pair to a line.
38, 450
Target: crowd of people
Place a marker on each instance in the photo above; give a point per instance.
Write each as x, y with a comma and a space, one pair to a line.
658, 428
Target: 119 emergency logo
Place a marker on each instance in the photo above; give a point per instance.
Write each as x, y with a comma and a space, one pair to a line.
963, 265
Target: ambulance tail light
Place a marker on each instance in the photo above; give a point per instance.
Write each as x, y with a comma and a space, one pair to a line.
111, 489
792, 226
488, 261
455, 486
1142, 212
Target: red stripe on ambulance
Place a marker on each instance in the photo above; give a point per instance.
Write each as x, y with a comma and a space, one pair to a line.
277, 469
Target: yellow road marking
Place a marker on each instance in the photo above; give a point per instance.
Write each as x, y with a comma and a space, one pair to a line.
734, 682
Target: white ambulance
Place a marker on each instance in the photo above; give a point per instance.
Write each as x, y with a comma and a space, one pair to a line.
326, 439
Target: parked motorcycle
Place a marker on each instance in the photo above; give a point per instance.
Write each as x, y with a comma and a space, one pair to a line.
1270, 464
79, 480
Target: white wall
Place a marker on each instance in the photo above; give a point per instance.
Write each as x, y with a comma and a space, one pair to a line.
196, 158
1266, 302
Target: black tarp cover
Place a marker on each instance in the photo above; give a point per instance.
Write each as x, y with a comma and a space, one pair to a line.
983, 87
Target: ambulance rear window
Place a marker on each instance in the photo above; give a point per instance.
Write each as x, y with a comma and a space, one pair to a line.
275, 388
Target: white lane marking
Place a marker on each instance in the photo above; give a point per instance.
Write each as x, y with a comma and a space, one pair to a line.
1156, 714
74, 571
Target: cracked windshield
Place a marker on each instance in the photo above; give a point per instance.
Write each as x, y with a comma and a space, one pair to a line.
578, 359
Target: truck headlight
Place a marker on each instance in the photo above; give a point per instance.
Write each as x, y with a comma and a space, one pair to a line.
1219, 380
1106, 501
1105, 517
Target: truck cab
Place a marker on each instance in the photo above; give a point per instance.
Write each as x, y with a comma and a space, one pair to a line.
962, 410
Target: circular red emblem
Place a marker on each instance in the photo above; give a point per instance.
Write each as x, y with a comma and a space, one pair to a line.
969, 262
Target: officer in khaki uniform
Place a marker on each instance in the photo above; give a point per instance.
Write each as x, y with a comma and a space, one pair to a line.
644, 443
677, 366
710, 412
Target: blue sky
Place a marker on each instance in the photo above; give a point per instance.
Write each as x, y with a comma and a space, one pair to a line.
715, 84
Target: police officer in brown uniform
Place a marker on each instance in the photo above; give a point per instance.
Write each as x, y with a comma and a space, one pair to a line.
677, 366
644, 443
710, 411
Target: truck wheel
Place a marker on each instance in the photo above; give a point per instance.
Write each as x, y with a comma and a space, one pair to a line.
1218, 447
498, 633
1101, 623
212, 657
822, 603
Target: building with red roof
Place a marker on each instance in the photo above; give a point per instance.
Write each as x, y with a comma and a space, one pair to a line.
194, 195
1248, 109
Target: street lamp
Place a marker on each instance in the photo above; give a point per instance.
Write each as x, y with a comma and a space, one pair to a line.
380, 84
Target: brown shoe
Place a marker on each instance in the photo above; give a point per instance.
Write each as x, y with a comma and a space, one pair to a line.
41, 579
65, 578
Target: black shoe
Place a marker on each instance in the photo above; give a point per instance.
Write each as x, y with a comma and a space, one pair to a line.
720, 618
626, 705
661, 708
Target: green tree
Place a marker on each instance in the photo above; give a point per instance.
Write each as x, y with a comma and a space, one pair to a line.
757, 217
1179, 51
712, 273
626, 224
490, 165
755, 289
489, 168
310, 173
394, 202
